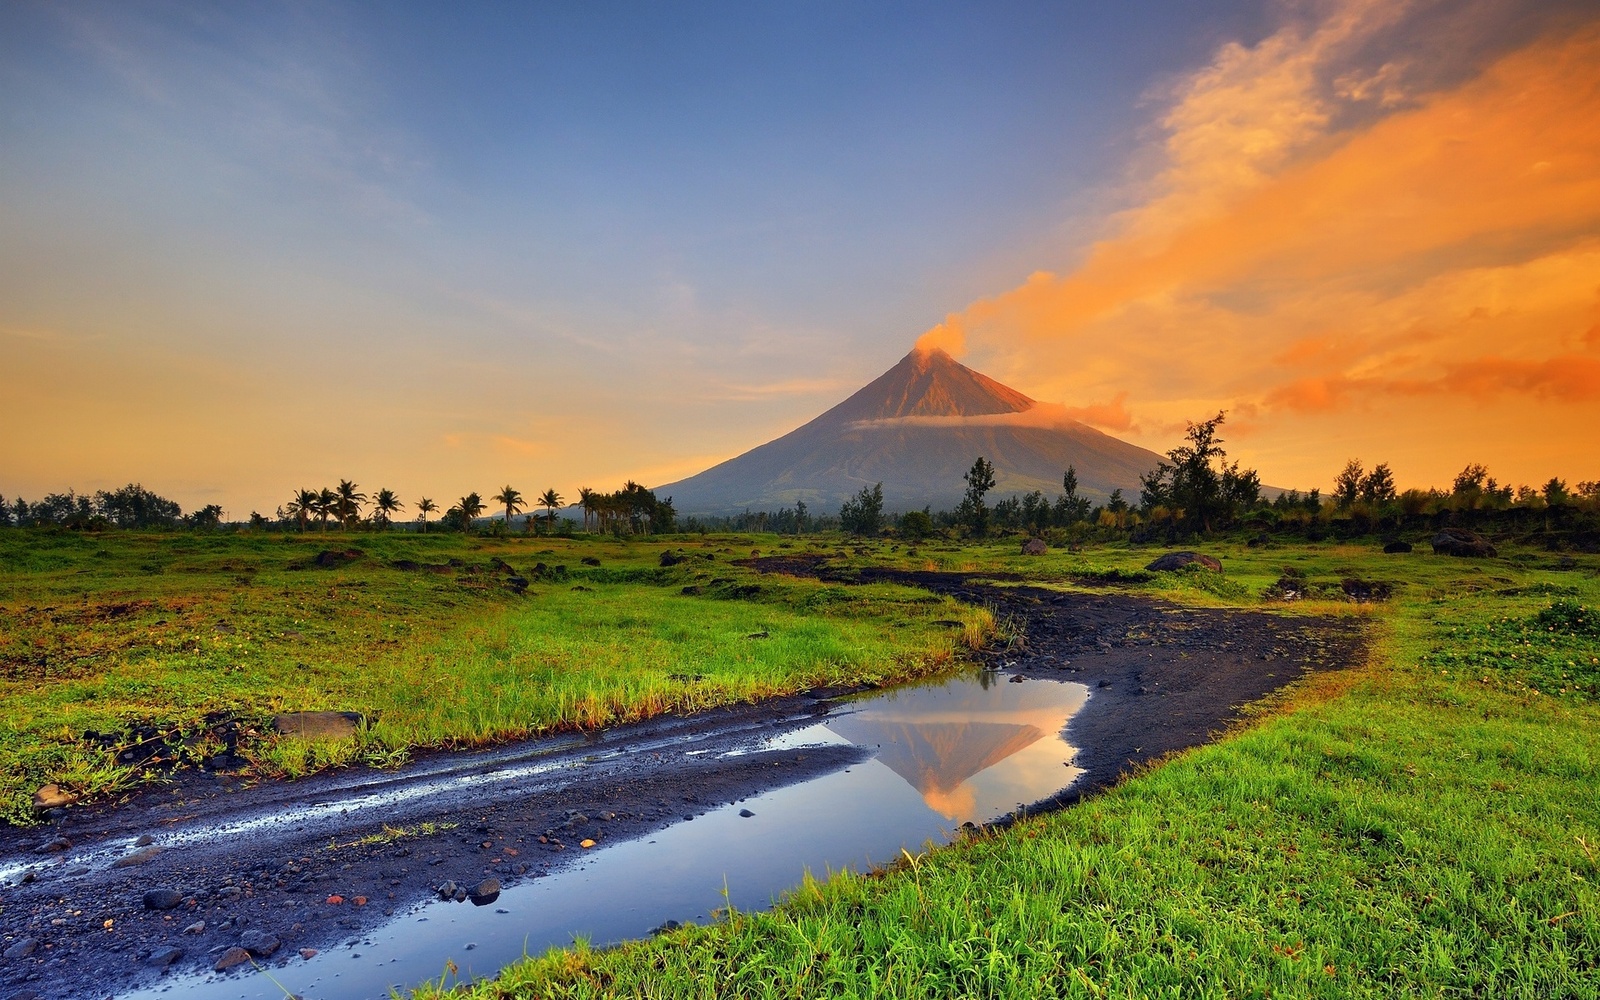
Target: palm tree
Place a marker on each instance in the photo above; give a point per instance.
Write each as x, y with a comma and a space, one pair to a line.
470, 506
550, 500
384, 504
302, 507
586, 498
348, 506
511, 500
327, 503
426, 507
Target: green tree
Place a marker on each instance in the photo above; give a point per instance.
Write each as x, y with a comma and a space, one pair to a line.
327, 505
511, 500
303, 507
384, 506
862, 514
916, 524
469, 506
587, 504
1377, 486
1070, 507
973, 511
550, 500
1555, 492
424, 508
1198, 481
1347, 484
348, 502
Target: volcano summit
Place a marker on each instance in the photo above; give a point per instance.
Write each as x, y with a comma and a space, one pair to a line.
916, 428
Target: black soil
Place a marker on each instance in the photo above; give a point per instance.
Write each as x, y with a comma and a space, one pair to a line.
1163, 678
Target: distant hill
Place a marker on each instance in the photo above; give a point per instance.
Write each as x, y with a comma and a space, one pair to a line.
916, 428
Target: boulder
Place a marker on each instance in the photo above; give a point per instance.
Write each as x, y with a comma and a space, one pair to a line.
162, 899
484, 892
329, 558
1461, 542
1396, 547
318, 725
233, 956
20, 949
53, 797
1178, 560
1034, 547
259, 943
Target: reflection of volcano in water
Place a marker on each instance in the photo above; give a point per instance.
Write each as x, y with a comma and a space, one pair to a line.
970, 751
936, 758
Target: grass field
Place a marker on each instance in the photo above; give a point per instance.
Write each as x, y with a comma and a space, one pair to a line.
1427, 825
115, 633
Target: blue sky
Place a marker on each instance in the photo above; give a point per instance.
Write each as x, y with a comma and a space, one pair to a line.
249, 248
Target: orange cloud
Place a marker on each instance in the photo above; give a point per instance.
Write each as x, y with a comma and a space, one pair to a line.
1445, 246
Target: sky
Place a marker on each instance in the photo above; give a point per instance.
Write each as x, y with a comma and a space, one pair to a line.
246, 249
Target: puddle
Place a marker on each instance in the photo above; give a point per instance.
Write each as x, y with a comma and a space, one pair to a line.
944, 754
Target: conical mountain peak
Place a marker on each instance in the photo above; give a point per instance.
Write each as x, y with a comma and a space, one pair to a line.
929, 383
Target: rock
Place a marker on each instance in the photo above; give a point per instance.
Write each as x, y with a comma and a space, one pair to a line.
53, 846
136, 858
230, 958
308, 953
518, 584
447, 890
162, 899
145, 840
1178, 560
745, 813
259, 943
693, 590
1365, 590
1461, 542
22, 949
53, 797
329, 558
1397, 547
318, 725
198, 927
460, 894
1034, 547
670, 559
484, 892
164, 956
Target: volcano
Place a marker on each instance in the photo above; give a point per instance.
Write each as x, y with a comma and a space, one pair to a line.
916, 428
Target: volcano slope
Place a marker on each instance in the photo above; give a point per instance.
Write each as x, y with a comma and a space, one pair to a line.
916, 428
289, 862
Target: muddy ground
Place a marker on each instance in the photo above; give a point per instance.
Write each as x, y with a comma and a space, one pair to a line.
108, 898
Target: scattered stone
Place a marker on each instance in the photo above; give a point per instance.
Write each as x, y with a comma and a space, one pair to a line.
53, 846
1016, 678
693, 590
53, 797
1034, 547
448, 889
1178, 560
198, 927
259, 943
460, 895
308, 953
1397, 547
162, 899
335, 899
586, 843
670, 925
164, 956
484, 892
22, 949
1461, 542
318, 725
745, 813
518, 584
145, 840
230, 958
670, 559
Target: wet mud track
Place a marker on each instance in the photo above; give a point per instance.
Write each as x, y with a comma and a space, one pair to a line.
311, 864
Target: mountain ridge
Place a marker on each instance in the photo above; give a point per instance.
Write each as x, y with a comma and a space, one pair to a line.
916, 428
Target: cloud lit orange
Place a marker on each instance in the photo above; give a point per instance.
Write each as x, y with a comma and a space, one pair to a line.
1440, 256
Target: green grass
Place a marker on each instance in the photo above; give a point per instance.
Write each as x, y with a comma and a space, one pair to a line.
1427, 825
103, 633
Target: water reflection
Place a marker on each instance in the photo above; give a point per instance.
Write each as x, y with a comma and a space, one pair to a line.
973, 752
945, 753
